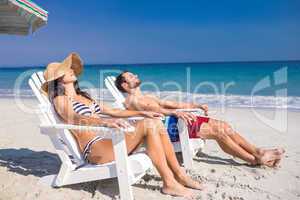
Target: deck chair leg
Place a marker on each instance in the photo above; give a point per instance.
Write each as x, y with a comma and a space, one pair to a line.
64, 170
123, 172
61, 176
187, 153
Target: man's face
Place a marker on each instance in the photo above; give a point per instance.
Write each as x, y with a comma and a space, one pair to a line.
132, 80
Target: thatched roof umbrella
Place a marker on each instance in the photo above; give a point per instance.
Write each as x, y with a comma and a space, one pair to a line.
19, 16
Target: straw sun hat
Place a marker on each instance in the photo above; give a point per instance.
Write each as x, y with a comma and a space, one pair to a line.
57, 70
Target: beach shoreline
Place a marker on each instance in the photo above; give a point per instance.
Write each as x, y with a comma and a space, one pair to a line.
26, 155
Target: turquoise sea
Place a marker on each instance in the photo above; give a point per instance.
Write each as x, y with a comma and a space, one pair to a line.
232, 84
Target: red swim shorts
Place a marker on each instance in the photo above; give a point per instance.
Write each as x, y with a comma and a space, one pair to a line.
196, 125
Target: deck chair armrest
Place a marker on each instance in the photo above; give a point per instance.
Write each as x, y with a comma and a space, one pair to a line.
102, 131
190, 110
141, 118
135, 118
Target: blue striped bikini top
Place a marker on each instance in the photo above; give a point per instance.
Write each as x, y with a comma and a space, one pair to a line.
85, 110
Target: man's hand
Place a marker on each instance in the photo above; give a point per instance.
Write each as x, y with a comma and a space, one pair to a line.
153, 115
204, 107
187, 117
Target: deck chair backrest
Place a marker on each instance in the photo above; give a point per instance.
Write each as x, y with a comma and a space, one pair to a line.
110, 84
49, 116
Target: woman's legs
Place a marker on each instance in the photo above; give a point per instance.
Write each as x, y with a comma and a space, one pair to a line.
102, 152
159, 157
234, 144
173, 163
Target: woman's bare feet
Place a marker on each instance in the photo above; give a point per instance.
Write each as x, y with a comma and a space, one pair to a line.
187, 181
176, 189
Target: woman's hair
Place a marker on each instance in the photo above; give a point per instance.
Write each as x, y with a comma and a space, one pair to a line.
56, 88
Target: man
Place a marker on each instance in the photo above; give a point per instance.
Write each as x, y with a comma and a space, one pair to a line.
228, 139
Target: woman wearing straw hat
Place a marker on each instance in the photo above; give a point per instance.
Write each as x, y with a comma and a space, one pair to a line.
75, 106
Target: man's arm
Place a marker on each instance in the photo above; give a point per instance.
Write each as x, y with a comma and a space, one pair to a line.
177, 105
155, 107
136, 104
182, 105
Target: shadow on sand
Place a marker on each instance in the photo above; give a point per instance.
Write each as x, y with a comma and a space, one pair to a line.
27, 162
42, 163
215, 160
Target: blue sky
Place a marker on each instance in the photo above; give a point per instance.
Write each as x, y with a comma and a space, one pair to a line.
143, 31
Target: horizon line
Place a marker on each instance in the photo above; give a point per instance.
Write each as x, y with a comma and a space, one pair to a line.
167, 63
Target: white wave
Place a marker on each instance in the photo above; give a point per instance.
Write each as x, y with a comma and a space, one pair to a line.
289, 102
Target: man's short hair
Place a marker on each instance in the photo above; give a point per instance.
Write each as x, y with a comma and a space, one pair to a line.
120, 80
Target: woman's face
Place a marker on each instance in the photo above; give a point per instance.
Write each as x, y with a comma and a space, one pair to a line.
69, 77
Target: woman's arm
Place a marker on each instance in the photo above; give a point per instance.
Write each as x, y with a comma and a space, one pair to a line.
126, 113
64, 109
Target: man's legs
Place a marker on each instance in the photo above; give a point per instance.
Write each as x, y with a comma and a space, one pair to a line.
233, 144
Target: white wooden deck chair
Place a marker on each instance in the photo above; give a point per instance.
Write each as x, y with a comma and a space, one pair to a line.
128, 169
187, 146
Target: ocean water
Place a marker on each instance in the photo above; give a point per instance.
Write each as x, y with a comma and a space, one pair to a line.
231, 84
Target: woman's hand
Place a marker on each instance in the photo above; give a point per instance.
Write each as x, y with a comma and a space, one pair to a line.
204, 107
116, 123
187, 117
150, 114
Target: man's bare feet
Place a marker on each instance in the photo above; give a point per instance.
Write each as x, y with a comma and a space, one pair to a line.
268, 157
278, 151
281, 151
176, 189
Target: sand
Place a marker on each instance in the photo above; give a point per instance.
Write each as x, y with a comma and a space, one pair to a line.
26, 156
